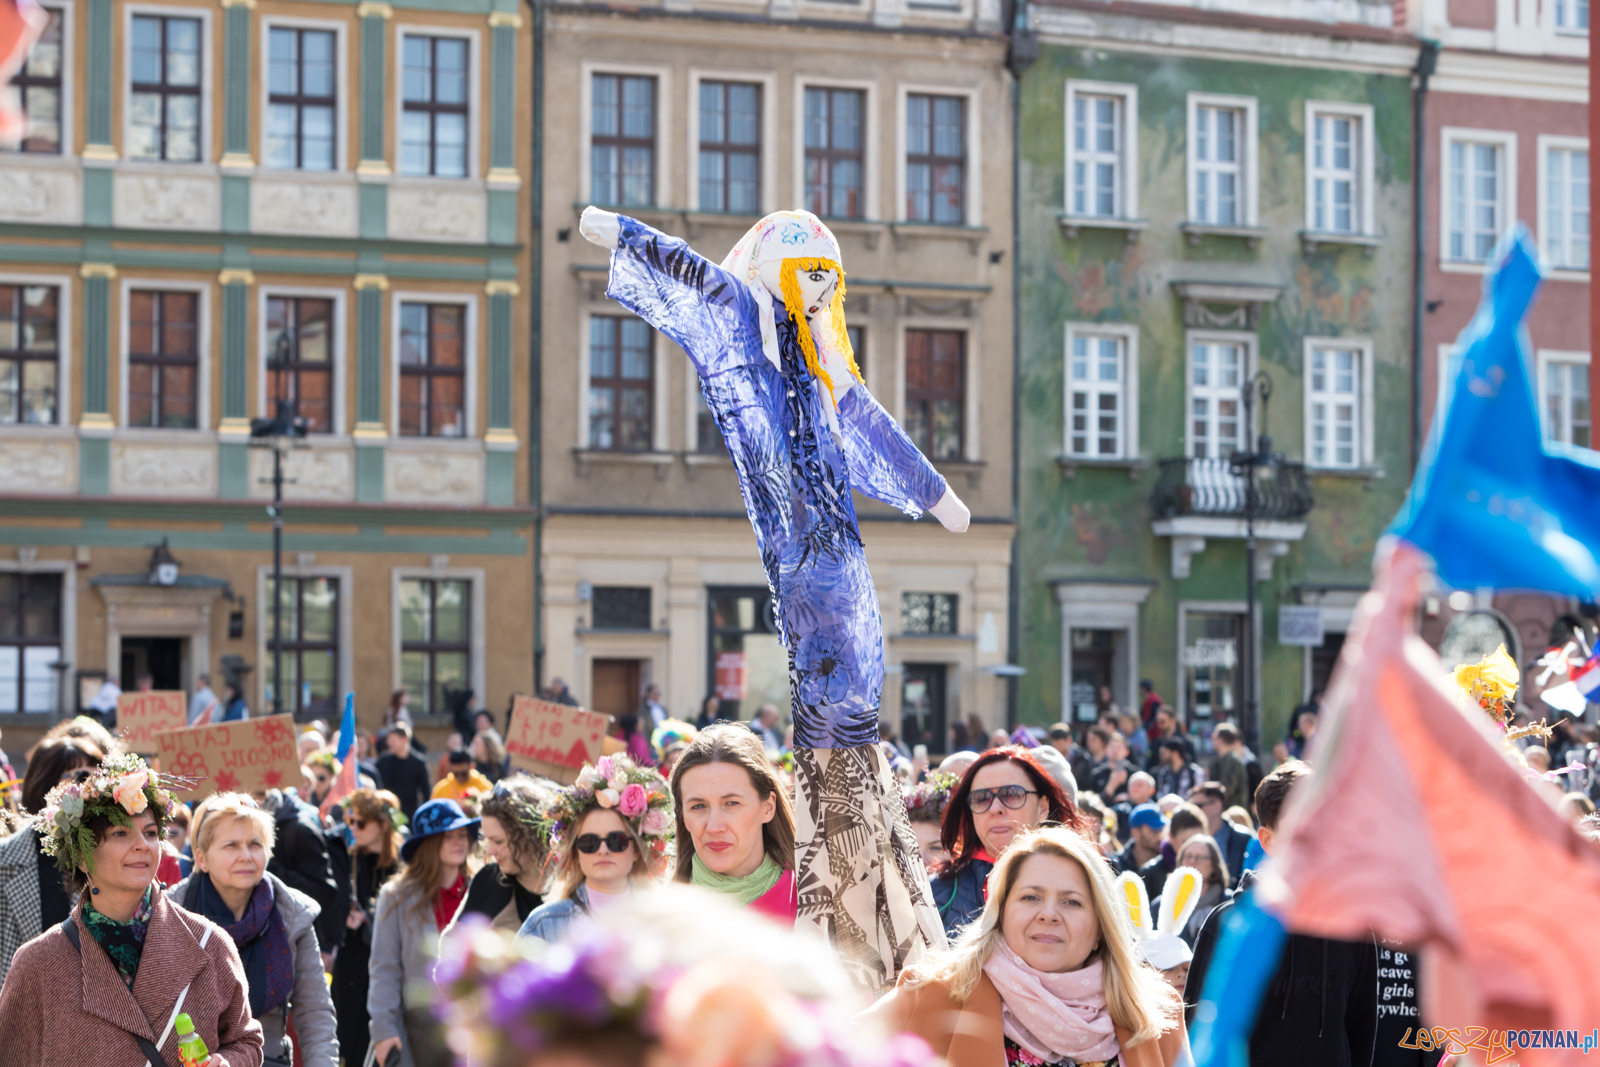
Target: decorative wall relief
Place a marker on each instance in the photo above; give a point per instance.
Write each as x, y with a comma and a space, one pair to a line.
163, 470
428, 212
41, 194
321, 472
156, 200
39, 466
295, 205
433, 477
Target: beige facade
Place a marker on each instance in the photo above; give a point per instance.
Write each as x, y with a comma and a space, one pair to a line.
661, 512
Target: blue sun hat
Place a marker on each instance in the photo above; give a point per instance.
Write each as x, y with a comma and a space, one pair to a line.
434, 818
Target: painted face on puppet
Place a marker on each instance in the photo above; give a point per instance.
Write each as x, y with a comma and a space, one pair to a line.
816, 290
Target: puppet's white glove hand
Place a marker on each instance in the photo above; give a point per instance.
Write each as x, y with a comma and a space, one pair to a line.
600, 227
952, 512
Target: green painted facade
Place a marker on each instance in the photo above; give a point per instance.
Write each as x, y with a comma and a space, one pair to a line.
1096, 526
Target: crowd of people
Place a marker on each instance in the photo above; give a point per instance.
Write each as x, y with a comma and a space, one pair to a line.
409, 921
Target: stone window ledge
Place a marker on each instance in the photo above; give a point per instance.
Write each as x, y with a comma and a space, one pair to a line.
1314, 240
1070, 464
1071, 224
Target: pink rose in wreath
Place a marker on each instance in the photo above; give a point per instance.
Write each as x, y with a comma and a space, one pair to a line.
633, 801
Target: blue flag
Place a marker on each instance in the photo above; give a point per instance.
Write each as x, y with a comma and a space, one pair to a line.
1492, 502
347, 728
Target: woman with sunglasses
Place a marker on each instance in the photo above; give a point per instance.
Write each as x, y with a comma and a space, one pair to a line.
1004, 794
371, 858
606, 829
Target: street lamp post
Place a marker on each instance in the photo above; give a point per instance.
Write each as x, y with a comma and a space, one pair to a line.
1246, 464
277, 433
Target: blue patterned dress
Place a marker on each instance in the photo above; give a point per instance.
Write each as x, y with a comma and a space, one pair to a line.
794, 473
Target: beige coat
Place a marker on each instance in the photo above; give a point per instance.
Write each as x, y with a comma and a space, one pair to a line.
971, 1034
62, 1007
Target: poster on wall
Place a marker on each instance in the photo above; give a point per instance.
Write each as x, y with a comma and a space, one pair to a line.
731, 675
241, 757
554, 740
142, 716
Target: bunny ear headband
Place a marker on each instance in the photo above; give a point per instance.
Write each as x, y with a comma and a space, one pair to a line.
1157, 936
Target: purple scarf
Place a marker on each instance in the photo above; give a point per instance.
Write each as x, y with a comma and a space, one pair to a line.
262, 940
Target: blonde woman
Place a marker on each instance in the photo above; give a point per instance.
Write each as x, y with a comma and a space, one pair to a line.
1046, 975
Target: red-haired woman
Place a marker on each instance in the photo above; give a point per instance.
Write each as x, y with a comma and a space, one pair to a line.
1004, 794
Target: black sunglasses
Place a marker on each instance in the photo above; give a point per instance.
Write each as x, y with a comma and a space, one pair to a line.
615, 841
1012, 796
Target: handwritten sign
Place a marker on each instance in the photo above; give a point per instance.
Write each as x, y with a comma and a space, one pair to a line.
554, 740
233, 757
141, 716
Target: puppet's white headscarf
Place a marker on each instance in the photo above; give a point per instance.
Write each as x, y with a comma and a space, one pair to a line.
756, 260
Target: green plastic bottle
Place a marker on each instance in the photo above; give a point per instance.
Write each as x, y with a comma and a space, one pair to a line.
191, 1047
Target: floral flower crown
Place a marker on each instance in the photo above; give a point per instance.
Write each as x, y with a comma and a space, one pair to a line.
503, 1000
925, 802
120, 788
638, 794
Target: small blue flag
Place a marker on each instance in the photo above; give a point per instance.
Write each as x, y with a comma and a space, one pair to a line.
347, 728
1492, 502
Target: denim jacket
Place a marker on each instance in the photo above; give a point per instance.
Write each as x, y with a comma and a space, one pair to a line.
549, 921
958, 894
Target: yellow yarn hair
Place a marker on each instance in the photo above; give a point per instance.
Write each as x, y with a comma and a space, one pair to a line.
789, 272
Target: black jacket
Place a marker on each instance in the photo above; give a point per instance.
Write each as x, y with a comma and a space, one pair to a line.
1321, 1007
408, 779
300, 859
1233, 842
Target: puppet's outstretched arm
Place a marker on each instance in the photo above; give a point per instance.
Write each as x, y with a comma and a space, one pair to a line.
886, 465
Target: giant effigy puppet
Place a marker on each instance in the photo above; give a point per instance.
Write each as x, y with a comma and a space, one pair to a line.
766, 334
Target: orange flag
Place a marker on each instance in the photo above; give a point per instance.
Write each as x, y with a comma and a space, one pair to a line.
21, 22
1416, 827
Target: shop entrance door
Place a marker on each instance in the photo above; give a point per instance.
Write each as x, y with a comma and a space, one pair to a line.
1211, 664
159, 657
922, 710
615, 690
1091, 669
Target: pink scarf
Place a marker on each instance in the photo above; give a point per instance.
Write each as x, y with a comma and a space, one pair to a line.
1053, 1016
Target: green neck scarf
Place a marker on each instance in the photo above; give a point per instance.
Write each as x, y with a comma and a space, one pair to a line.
745, 890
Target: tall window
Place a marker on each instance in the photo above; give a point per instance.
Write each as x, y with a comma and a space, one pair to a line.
834, 146
433, 370
30, 350
1333, 430
1218, 165
165, 101
1566, 205
621, 607
1095, 396
730, 147
621, 384
30, 641
300, 358
858, 346
1566, 402
435, 639
1572, 16
433, 120
1335, 173
310, 642
707, 434
936, 158
928, 613
1097, 140
622, 140
1475, 199
936, 391
38, 88
163, 359
1216, 371
300, 100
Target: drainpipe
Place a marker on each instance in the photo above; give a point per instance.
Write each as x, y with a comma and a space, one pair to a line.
536, 342
1023, 51
1427, 59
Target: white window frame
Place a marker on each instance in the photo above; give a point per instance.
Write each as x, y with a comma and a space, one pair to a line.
343, 72
659, 393
1364, 200
1560, 6
971, 383
1250, 342
69, 72
972, 163
210, 61
1545, 358
1506, 141
1546, 144
339, 351
479, 617
345, 577
1366, 395
64, 340
475, 109
869, 139
661, 195
769, 129
1128, 389
1128, 179
203, 353
472, 355
1249, 163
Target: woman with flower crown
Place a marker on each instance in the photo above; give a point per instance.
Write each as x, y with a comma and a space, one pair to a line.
608, 829
106, 985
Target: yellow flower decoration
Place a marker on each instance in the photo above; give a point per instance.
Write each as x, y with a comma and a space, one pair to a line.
1492, 682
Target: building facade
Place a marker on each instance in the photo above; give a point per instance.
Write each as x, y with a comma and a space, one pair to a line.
890, 120
218, 208
1212, 200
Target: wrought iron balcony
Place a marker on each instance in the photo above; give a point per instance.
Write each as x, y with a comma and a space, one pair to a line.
1214, 487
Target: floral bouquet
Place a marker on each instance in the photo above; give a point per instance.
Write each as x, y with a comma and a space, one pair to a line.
638, 794
120, 788
925, 801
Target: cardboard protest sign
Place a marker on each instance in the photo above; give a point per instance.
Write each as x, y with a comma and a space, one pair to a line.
233, 757
141, 716
554, 740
